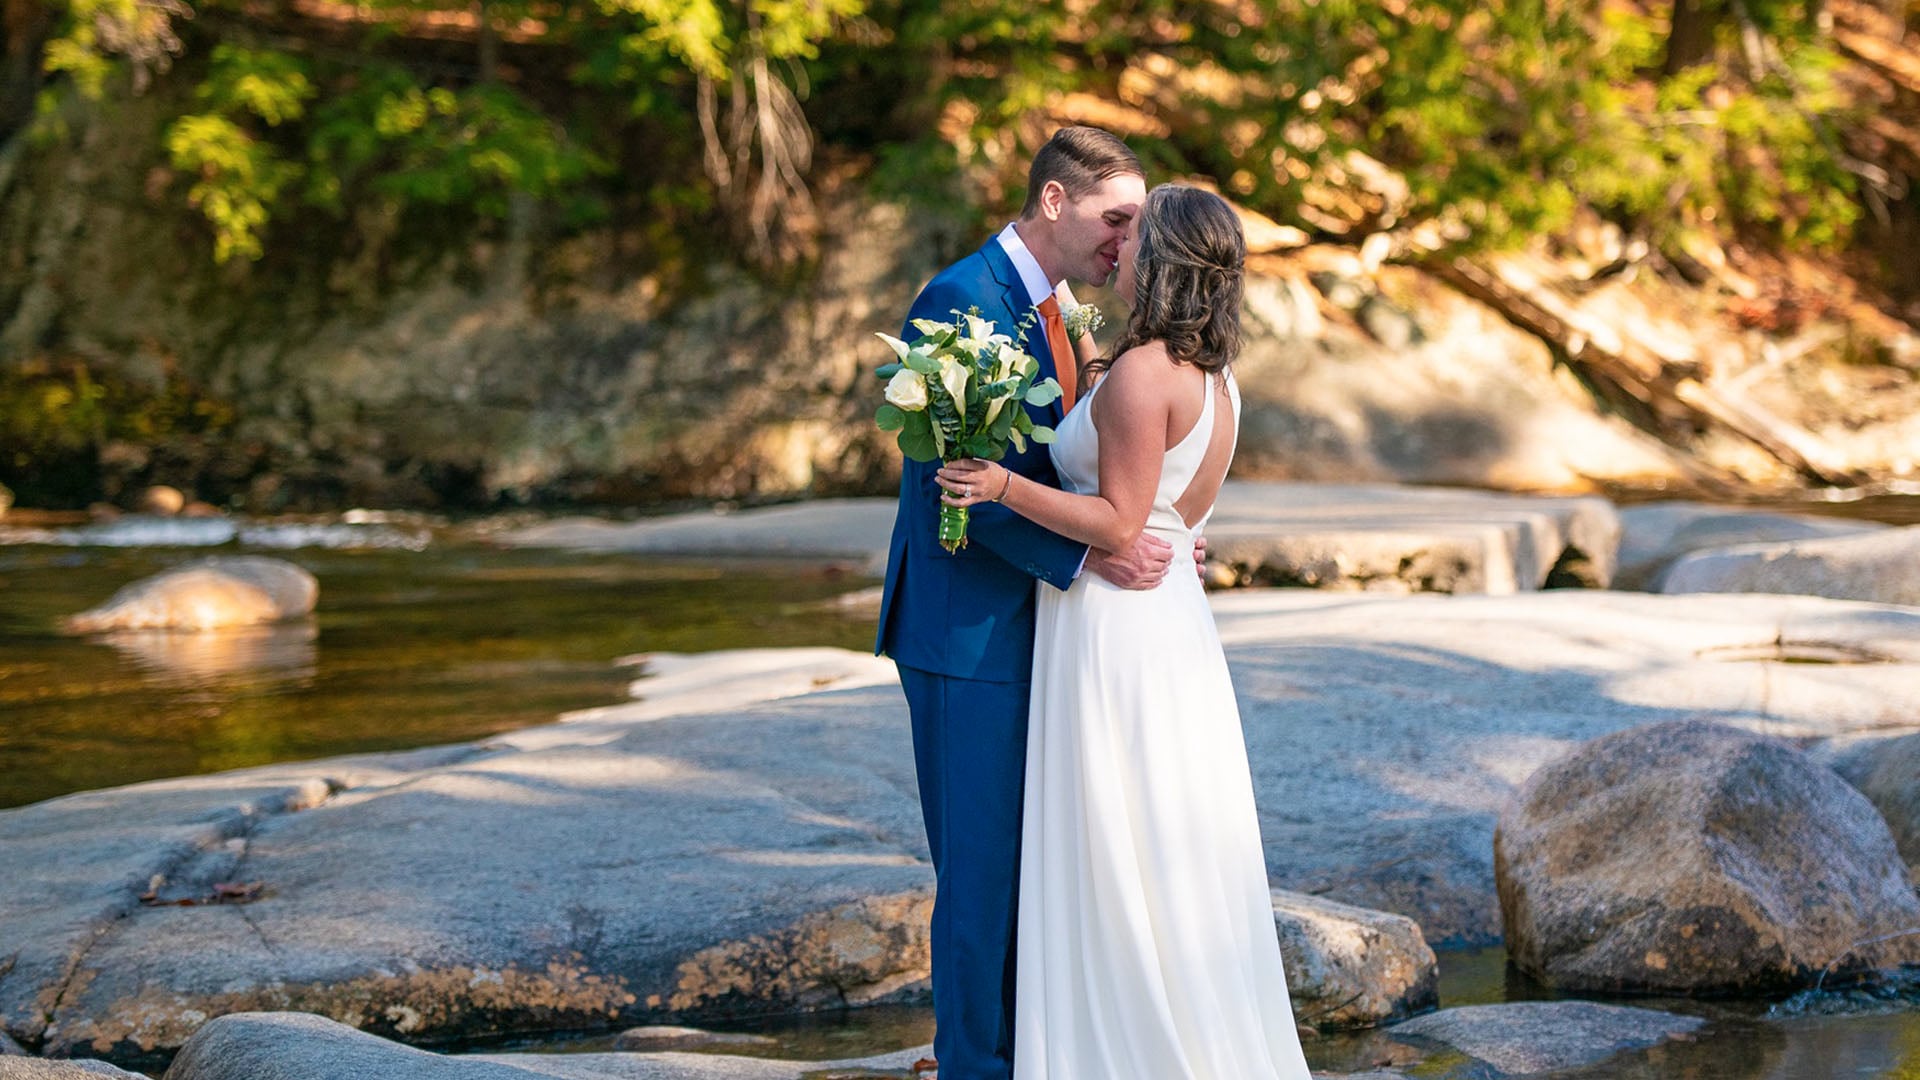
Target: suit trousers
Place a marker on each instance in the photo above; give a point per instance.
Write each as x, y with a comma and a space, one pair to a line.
970, 752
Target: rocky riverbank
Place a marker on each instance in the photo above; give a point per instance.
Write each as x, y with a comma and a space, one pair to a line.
744, 836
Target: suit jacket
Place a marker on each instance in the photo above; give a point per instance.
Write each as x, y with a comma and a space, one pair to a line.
970, 614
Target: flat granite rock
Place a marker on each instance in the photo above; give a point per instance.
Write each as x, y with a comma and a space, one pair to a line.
1347, 536
1877, 567
1654, 535
32, 1068
696, 858
1531, 1037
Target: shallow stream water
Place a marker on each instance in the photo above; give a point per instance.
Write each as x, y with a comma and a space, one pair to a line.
405, 649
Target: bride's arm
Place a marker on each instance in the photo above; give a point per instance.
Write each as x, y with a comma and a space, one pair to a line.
1131, 412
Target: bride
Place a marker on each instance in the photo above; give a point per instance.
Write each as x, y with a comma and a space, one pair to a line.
1146, 947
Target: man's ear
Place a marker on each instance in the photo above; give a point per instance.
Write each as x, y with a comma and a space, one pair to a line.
1053, 198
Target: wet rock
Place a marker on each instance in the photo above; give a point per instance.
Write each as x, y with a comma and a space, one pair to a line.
1688, 857
32, 1068
1528, 1038
1877, 567
298, 1046
206, 595
1349, 967
161, 501
1654, 535
9, 1048
1887, 772
666, 1037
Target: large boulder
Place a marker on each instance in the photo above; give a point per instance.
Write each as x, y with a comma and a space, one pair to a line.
1877, 566
210, 594
1654, 535
1350, 967
1525, 1038
1887, 772
1688, 857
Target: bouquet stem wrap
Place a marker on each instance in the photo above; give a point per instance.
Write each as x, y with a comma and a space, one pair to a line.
953, 527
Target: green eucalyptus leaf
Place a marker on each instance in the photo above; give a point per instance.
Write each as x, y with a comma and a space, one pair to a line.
1042, 435
890, 417
916, 438
1045, 392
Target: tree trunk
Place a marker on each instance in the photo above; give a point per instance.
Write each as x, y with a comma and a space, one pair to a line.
1690, 41
489, 43
24, 25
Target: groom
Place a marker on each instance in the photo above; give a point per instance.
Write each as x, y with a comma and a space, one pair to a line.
960, 626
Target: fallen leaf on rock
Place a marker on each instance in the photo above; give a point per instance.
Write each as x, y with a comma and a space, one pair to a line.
224, 892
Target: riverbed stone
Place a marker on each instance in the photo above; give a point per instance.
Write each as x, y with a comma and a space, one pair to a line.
1877, 566
300, 1046
32, 1068
208, 594
673, 1037
1689, 857
1887, 772
689, 854
1654, 535
1341, 536
1350, 967
1533, 1037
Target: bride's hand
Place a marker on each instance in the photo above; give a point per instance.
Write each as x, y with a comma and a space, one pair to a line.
970, 481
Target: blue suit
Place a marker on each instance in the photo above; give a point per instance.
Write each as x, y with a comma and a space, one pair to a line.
960, 628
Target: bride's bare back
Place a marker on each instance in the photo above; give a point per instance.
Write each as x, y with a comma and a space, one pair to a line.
1178, 393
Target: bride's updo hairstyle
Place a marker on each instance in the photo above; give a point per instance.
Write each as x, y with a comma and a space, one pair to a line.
1187, 280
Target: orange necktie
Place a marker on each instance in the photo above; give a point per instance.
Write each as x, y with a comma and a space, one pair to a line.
1066, 366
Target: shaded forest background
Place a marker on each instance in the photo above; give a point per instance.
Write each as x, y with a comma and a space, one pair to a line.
304, 253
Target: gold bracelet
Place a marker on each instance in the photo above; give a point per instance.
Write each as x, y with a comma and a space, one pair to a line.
1006, 487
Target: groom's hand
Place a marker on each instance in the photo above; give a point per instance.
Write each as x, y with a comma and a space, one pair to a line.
1139, 567
1200, 556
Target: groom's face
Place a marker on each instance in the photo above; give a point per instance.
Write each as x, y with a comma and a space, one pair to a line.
1090, 229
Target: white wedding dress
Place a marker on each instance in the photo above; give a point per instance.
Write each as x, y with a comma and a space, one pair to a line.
1146, 944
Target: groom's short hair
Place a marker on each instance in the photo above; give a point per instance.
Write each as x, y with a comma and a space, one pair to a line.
1079, 158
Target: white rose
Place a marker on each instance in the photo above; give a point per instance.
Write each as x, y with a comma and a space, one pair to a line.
907, 390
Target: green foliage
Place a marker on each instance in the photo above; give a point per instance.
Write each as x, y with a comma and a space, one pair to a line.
54, 418
1502, 120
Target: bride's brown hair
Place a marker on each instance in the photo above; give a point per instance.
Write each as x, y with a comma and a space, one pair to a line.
1187, 281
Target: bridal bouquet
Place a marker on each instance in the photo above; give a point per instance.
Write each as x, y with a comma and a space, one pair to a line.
956, 392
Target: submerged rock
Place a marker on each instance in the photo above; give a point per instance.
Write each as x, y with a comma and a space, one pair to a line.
667, 1037
206, 595
1531, 1037
298, 1046
1877, 567
1350, 967
1688, 857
